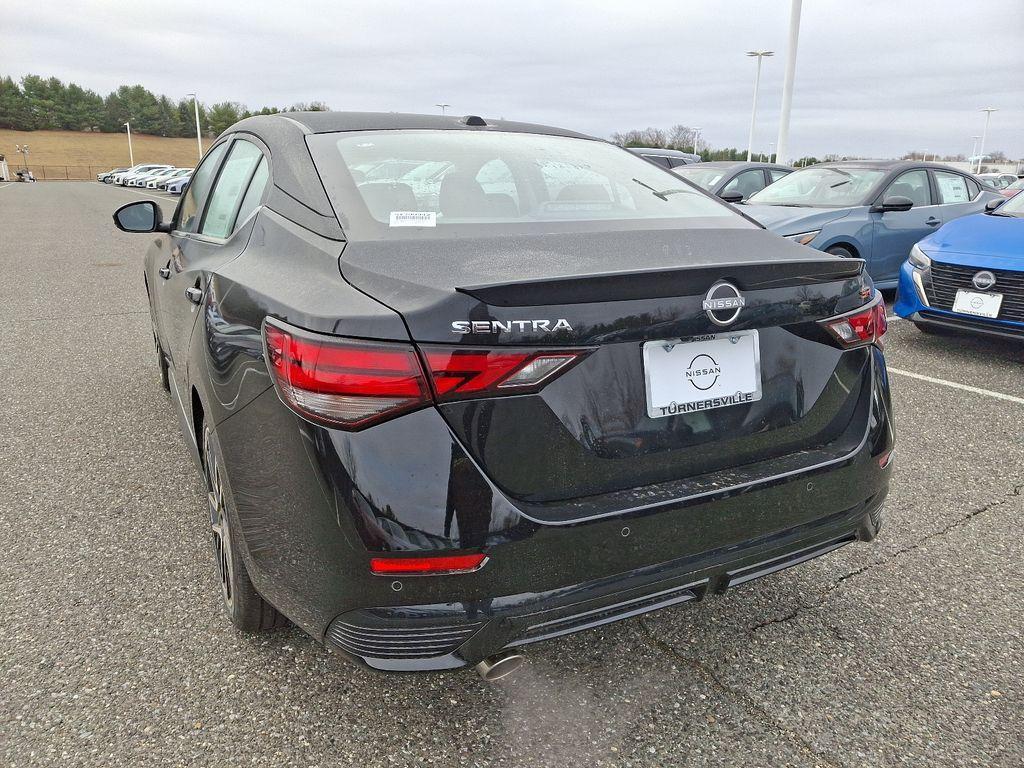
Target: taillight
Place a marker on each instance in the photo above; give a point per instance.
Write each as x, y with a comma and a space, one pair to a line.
343, 383
462, 373
351, 383
863, 326
402, 565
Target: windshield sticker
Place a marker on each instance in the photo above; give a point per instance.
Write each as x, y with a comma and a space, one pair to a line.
413, 219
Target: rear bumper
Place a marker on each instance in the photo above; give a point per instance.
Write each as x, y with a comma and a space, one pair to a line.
445, 636
307, 534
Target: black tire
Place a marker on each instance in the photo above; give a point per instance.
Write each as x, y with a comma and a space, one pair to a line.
245, 606
838, 250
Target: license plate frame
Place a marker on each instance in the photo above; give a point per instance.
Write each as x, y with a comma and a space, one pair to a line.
978, 303
735, 354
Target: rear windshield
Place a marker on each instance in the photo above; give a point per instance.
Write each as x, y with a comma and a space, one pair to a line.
820, 188
447, 183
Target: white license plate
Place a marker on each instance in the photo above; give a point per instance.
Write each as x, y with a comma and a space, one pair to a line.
702, 373
979, 304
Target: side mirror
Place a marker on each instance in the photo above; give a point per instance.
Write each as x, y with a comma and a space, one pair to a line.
893, 203
732, 197
143, 216
991, 205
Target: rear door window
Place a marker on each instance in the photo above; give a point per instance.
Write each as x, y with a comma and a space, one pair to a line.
776, 174
952, 187
230, 188
187, 218
254, 194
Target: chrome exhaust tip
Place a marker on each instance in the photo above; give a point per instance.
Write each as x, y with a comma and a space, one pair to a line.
500, 665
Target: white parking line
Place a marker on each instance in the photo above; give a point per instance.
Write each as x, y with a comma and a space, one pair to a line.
954, 385
9, 184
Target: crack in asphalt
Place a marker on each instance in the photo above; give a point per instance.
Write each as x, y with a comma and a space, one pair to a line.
751, 705
759, 712
828, 590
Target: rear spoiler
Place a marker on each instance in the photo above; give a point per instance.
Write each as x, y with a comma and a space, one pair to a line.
661, 283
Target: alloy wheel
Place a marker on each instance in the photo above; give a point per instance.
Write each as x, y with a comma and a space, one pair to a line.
219, 521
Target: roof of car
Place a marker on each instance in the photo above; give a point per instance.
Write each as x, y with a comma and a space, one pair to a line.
332, 122
660, 152
883, 165
735, 163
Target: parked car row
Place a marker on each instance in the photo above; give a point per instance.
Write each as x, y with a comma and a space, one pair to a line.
158, 176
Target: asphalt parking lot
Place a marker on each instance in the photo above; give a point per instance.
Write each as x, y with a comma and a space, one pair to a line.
115, 650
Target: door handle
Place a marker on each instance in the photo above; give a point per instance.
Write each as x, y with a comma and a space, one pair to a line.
932, 221
194, 295
165, 273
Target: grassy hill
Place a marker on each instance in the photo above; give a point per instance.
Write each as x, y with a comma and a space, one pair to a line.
70, 154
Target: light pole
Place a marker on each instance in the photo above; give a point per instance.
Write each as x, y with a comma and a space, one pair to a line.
984, 134
974, 152
199, 133
443, 107
696, 140
131, 155
787, 85
757, 84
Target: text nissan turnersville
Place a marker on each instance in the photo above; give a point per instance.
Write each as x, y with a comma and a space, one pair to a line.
458, 386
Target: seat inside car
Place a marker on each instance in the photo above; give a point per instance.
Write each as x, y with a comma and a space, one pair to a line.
588, 192
462, 197
919, 194
383, 198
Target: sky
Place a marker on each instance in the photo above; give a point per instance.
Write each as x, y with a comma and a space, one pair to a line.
873, 78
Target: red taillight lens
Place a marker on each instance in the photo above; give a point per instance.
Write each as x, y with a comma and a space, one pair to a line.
461, 373
426, 566
867, 325
351, 384
343, 382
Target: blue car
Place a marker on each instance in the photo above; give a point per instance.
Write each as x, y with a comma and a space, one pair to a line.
874, 210
969, 275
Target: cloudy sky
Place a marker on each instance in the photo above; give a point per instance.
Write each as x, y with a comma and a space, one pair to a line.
874, 77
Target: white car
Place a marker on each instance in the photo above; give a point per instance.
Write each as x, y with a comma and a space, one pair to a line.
140, 179
159, 180
123, 178
119, 175
177, 185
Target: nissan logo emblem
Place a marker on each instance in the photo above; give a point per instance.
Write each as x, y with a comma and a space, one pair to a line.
723, 303
983, 280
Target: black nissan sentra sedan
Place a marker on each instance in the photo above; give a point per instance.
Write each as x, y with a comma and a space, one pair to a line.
459, 385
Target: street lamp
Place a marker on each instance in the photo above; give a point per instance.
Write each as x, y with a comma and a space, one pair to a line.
131, 155
199, 133
787, 84
696, 140
974, 152
443, 107
984, 134
757, 84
